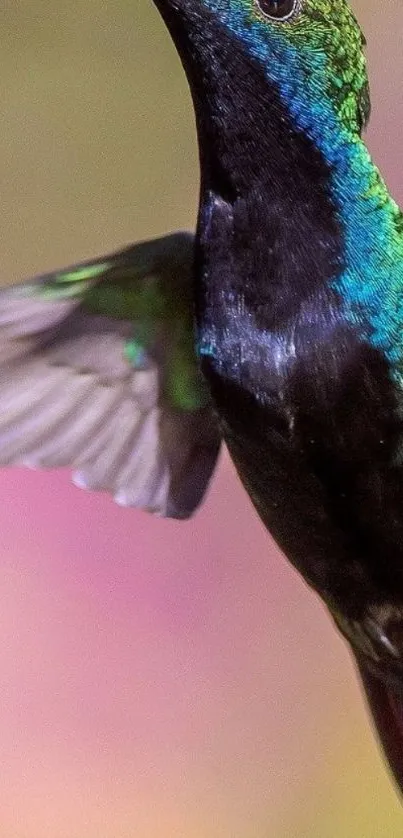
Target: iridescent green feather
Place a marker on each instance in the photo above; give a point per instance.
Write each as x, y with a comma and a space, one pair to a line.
98, 373
317, 63
156, 307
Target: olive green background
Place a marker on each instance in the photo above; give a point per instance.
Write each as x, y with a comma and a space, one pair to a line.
156, 679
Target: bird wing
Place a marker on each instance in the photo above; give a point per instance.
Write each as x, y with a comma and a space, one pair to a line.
98, 372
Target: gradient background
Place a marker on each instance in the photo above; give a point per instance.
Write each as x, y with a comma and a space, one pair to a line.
156, 679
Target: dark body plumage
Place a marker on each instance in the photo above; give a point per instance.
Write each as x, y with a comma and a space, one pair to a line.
307, 407
296, 276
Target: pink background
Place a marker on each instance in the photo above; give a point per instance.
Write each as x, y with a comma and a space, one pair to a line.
156, 679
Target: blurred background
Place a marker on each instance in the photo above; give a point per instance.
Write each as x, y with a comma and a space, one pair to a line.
156, 679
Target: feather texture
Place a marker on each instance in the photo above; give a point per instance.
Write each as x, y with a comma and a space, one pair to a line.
299, 305
87, 386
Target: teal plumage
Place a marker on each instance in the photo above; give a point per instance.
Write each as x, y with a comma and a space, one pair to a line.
277, 327
320, 70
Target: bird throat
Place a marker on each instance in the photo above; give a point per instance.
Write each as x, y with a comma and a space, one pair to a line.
293, 211
269, 236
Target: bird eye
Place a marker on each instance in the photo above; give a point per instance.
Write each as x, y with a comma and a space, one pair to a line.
279, 10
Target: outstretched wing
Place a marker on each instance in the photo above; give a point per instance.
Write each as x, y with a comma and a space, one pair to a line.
98, 372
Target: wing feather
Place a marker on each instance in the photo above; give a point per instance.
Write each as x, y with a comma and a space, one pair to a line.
71, 394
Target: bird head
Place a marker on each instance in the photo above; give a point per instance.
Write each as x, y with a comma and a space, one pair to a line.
309, 51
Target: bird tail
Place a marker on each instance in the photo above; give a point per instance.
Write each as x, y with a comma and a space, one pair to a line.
386, 705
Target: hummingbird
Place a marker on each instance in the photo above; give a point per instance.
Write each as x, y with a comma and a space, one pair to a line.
276, 328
